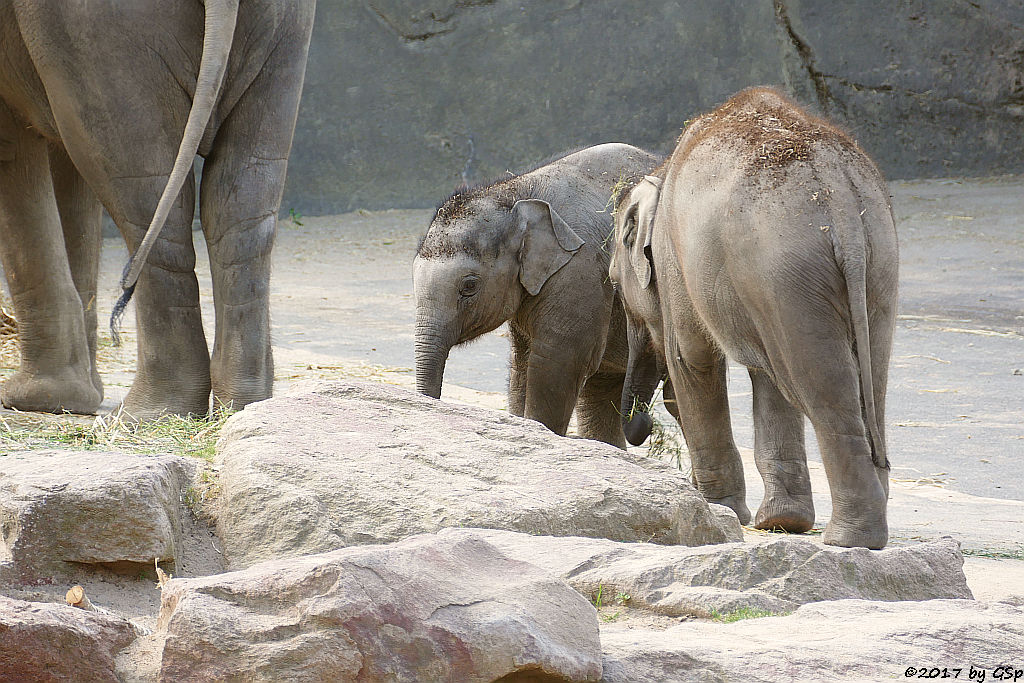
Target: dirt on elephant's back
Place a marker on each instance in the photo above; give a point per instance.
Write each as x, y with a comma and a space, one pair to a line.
773, 131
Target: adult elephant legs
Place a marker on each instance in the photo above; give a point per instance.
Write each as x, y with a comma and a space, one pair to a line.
243, 180
56, 372
173, 368
81, 215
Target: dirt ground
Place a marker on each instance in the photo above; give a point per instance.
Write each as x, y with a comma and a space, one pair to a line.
343, 307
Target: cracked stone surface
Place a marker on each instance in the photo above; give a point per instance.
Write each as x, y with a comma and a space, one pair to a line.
425, 609
826, 641
776, 575
358, 463
436, 93
92, 507
461, 91
920, 95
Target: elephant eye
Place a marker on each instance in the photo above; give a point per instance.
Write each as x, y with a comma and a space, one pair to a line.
470, 286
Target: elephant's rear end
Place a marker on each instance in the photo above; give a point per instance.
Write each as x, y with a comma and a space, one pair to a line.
789, 251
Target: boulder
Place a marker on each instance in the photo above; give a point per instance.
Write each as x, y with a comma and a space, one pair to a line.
428, 608
48, 642
88, 507
349, 464
844, 640
775, 576
727, 521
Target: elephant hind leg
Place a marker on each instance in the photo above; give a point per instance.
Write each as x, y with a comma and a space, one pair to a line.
56, 372
597, 410
80, 216
827, 386
781, 460
702, 403
243, 181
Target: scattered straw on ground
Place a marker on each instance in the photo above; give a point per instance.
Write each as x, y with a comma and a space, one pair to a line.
189, 436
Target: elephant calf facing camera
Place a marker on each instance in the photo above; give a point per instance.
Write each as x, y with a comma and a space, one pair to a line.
530, 250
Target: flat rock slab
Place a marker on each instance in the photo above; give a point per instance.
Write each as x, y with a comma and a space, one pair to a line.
775, 576
846, 640
426, 609
348, 464
48, 642
89, 507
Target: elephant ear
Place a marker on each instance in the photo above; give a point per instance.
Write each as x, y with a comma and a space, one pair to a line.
548, 243
642, 204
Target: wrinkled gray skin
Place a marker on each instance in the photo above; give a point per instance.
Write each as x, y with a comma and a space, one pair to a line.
532, 251
716, 260
94, 99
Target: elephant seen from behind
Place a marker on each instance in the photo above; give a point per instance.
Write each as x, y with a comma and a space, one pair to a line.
94, 99
767, 237
532, 250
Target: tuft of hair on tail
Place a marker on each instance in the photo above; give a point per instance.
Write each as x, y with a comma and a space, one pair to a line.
117, 313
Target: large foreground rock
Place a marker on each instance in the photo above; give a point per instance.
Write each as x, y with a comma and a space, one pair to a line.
847, 640
89, 507
348, 464
777, 575
425, 609
48, 642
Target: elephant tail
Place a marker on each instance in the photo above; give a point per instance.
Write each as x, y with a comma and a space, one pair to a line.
852, 257
218, 33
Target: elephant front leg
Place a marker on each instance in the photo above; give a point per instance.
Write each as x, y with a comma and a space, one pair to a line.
554, 379
56, 372
781, 460
703, 405
518, 367
597, 410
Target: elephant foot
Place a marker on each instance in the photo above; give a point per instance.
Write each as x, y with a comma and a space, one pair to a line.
858, 523
235, 401
873, 537
794, 515
64, 393
738, 505
147, 406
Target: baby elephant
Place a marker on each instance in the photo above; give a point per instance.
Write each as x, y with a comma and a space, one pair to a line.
532, 250
768, 237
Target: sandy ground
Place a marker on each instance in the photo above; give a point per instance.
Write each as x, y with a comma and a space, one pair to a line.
343, 307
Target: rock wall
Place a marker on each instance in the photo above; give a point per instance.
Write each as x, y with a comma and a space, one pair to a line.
407, 99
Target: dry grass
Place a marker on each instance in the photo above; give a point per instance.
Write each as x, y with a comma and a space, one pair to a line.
10, 356
194, 437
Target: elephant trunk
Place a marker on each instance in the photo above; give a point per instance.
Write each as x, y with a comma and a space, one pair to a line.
432, 346
643, 372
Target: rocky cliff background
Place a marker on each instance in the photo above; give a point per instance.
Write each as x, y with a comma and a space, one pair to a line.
407, 99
